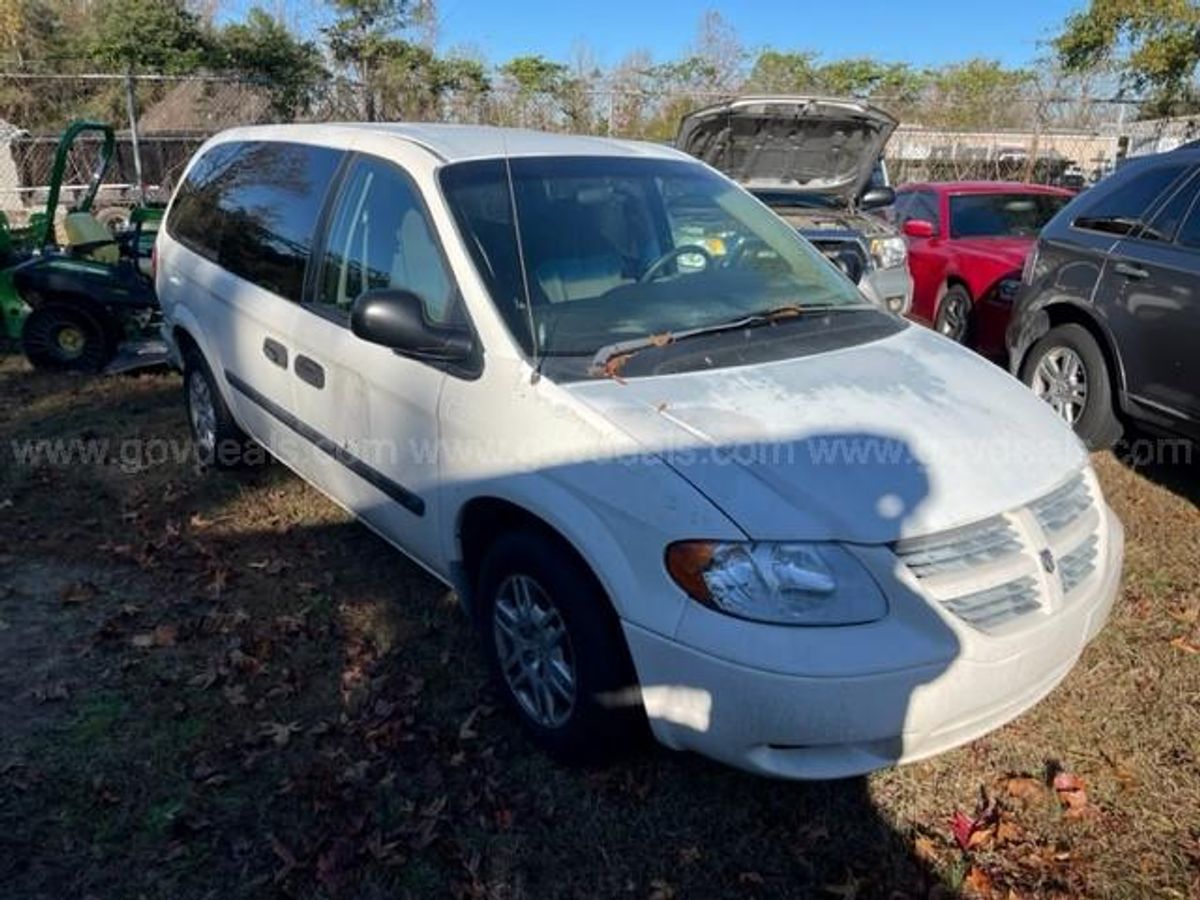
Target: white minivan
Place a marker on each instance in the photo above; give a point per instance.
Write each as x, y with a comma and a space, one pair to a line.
679, 470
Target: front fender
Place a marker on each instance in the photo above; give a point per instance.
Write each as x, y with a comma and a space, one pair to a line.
619, 515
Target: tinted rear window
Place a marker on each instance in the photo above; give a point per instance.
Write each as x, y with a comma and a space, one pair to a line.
253, 208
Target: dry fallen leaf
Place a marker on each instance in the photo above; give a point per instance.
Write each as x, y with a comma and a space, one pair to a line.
926, 851
1022, 787
977, 882
1185, 644
1072, 795
78, 592
279, 732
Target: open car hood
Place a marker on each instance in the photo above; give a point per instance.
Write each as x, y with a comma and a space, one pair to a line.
811, 145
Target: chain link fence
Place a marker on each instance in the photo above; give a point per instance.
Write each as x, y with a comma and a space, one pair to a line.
160, 121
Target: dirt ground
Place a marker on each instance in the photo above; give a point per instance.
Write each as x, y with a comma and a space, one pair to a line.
219, 686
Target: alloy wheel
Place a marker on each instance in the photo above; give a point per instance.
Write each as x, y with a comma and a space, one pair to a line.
534, 651
1060, 379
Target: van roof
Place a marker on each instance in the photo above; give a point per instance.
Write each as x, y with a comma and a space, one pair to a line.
453, 143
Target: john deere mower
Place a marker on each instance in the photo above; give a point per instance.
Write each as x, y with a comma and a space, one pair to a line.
75, 293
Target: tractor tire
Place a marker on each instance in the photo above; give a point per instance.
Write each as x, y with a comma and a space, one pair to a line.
62, 338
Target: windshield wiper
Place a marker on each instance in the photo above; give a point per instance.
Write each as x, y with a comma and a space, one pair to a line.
609, 359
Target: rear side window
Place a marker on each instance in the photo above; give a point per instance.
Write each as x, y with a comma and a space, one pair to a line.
1121, 208
269, 205
253, 207
195, 219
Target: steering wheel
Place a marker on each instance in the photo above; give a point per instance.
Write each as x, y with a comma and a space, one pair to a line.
670, 256
735, 258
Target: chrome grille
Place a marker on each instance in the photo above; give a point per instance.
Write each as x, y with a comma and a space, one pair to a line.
1077, 565
996, 605
960, 550
989, 574
1063, 505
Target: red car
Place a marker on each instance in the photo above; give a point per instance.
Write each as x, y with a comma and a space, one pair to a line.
967, 241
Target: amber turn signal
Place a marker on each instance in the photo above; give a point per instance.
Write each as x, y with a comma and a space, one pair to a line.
686, 562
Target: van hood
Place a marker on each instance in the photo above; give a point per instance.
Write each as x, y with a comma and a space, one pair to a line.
902, 437
807, 145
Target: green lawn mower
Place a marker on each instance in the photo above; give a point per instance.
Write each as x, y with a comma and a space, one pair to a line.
77, 294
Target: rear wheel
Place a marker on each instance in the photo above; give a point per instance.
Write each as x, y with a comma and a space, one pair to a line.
218, 440
62, 338
954, 314
556, 649
1066, 368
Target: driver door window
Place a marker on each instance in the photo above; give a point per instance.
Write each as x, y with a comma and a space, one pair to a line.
380, 237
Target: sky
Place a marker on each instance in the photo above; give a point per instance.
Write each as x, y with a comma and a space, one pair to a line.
919, 32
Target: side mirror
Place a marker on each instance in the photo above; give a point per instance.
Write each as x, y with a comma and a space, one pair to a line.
395, 318
875, 197
918, 228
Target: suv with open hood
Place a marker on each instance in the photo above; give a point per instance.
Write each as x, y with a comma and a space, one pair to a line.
817, 162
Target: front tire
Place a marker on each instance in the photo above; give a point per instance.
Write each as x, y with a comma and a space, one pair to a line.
955, 314
60, 338
1067, 369
556, 650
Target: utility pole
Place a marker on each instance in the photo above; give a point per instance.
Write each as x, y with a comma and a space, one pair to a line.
135, 144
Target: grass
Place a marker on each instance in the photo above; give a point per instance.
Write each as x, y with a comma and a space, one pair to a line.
219, 686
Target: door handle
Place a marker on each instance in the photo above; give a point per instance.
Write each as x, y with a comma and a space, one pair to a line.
1129, 270
275, 352
310, 372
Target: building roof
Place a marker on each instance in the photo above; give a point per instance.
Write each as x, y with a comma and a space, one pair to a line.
453, 143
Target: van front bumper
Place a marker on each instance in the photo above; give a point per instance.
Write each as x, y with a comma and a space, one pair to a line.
797, 725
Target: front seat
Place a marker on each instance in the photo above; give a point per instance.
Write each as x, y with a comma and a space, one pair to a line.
82, 229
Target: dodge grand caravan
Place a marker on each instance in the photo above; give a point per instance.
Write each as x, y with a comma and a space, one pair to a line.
679, 470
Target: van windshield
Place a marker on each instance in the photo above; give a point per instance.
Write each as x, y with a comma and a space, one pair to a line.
607, 250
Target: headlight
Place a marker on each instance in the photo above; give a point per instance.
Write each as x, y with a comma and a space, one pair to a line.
1006, 290
781, 583
889, 252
